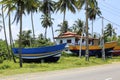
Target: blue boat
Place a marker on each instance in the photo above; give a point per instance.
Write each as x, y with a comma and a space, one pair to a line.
46, 54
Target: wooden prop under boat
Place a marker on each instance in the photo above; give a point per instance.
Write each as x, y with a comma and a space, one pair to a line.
94, 50
47, 54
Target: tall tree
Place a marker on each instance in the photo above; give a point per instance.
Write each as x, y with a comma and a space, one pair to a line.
63, 27
46, 21
78, 26
7, 7
63, 5
89, 4
26, 38
32, 6
4, 27
19, 6
92, 13
47, 8
109, 31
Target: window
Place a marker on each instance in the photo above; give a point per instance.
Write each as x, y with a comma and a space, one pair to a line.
76, 40
61, 41
69, 41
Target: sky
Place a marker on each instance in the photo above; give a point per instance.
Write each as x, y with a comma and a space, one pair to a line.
110, 11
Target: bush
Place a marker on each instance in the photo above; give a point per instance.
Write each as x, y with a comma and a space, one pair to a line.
4, 67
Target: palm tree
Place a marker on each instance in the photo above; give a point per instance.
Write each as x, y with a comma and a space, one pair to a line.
4, 27
109, 31
47, 8
63, 27
78, 27
26, 38
46, 21
19, 6
63, 5
7, 6
32, 6
89, 4
92, 13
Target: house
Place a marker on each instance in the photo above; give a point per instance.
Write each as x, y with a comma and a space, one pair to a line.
72, 38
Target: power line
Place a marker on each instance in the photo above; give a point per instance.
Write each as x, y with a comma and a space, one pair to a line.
111, 8
110, 21
110, 11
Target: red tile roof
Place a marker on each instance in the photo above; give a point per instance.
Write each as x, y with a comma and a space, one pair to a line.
69, 35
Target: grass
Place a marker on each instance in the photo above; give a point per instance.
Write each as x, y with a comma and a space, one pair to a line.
66, 61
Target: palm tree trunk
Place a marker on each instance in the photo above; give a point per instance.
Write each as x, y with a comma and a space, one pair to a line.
87, 45
92, 28
33, 27
45, 33
63, 21
53, 34
103, 48
10, 35
5, 33
63, 16
20, 41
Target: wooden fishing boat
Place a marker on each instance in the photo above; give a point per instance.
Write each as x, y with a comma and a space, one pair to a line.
46, 54
94, 50
116, 51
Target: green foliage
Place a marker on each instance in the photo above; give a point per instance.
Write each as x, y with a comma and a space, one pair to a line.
78, 27
3, 50
27, 40
119, 40
63, 27
42, 41
109, 33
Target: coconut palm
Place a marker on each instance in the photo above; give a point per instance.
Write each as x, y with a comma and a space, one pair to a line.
4, 27
32, 6
63, 5
92, 13
63, 27
47, 8
19, 6
26, 38
89, 4
109, 31
9, 9
78, 27
46, 21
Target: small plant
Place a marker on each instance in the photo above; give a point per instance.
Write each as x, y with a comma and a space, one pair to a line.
4, 67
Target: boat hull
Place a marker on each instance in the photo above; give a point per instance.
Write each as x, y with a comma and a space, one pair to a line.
94, 50
116, 51
41, 54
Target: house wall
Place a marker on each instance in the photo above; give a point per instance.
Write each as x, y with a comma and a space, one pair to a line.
65, 40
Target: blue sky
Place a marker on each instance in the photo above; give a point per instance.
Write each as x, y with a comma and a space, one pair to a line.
110, 10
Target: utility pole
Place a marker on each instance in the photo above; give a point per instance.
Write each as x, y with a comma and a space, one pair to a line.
81, 42
86, 25
103, 46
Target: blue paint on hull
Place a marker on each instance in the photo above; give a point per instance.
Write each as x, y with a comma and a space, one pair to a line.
47, 54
